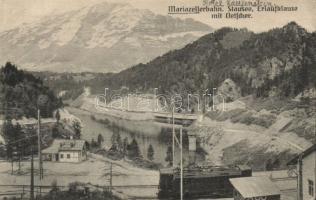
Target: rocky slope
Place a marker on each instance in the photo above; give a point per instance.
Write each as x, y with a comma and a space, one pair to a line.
104, 38
260, 137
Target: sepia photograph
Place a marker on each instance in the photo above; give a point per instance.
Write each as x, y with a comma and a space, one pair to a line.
157, 100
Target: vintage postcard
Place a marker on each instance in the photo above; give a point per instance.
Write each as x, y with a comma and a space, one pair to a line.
157, 99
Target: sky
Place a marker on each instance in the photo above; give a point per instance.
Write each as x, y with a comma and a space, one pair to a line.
16, 12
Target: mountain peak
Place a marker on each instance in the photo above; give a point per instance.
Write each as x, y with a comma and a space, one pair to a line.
105, 37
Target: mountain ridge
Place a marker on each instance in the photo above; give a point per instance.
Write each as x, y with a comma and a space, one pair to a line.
257, 62
104, 37
277, 63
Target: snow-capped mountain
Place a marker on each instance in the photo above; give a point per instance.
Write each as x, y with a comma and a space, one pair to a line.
104, 37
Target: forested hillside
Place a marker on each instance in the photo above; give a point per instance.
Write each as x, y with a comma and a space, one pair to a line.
283, 58
21, 94
280, 62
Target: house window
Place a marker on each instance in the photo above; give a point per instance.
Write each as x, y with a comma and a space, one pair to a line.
61, 155
310, 188
68, 156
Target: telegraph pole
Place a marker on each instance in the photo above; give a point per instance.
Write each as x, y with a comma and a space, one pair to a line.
181, 166
315, 155
19, 154
39, 138
41, 101
32, 175
12, 164
299, 177
111, 176
173, 135
181, 153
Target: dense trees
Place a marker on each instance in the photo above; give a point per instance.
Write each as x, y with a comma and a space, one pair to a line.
17, 140
131, 150
21, 95
207, 62
12, 133
20, 92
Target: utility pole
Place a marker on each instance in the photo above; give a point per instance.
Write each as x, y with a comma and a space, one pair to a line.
299, 177
111, 176
181, 153
12, 164
32, 175
19, 152
173, 135
39, 138
315, 154
181, 165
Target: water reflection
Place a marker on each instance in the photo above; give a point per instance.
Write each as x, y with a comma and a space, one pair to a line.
145, 133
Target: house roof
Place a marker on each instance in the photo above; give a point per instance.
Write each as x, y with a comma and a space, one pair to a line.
305, 153
65, 145
258, 186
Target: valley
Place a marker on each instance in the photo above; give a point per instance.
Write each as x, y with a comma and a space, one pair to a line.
225, 140
98, 100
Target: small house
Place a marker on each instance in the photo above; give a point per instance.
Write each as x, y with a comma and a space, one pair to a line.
63, 150
259, 188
